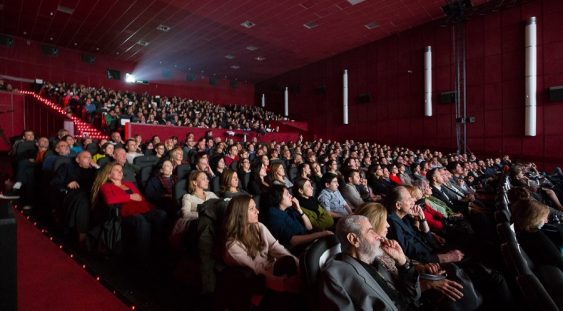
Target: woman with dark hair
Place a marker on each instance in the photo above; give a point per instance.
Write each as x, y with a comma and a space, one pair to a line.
258, 180
539, 192
217, 164
287, 221
159, 188
105, 151
230, 186
529, 216
244, 172
319, 217
250, 244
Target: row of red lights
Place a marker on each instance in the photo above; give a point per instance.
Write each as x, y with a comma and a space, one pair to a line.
80, 125
71, 255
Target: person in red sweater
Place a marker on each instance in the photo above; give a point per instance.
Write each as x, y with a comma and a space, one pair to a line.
140, 220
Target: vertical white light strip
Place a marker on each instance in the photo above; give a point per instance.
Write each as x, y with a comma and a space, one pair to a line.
345, 97
531, 76
428, 82
263, 100
286, 102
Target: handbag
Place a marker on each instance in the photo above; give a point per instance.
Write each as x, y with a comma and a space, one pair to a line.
471, 299
106, 237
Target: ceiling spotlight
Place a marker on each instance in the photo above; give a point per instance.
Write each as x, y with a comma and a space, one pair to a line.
260, 58
235, 67
163, 28
129, 78
229, 56
252, 48
248, 24
142, 43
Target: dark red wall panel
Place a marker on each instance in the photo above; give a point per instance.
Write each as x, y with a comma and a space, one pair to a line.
392, 71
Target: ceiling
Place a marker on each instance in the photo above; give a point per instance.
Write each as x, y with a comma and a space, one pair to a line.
206, 36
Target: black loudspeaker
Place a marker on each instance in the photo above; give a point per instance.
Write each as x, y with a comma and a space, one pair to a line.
50, 50
114, 74
213, 81
320, 90
88, 59
364, 98
556, 93
295, 89
447, 97
6, 41
191, 76
233, 84
8, 258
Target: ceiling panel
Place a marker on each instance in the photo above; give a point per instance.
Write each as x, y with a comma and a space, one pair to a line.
203, 32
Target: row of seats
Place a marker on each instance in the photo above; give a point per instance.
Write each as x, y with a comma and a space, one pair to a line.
540, 286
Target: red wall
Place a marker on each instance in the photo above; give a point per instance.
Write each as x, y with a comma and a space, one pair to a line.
11, 117
392, 71
26, 60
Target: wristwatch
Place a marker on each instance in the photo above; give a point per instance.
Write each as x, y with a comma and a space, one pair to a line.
407, 264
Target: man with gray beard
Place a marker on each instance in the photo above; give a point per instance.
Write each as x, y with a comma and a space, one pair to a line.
353, 280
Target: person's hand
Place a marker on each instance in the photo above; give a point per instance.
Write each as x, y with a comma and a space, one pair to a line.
417, 211
136, 197
394, 250
448, 288
451, 256
430, 268
73, 185
295, 204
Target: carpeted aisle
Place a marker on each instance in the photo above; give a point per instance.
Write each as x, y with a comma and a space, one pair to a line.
48, 279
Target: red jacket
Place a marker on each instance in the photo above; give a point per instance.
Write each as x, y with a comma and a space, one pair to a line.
434, 218
113, 194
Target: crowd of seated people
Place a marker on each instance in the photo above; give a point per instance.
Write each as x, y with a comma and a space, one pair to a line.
111, 106
259, 205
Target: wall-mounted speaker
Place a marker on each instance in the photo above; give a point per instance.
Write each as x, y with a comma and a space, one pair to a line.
88, 59
363, 98
6, 41
320, 90
555, 93
50, 50
447, 97
114, 74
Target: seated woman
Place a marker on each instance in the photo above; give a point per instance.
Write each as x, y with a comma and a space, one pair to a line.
250, 244
230, 186
529, 216
319, 217
159, 188
277, 176
258, 180
217, 164
244, 172
197, 194
287, 221
141, 221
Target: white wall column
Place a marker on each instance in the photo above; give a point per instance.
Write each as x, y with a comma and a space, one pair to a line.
428, 82
286, 102
345, 97
530, 42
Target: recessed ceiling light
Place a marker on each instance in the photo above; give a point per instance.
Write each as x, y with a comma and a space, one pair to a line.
142, 43
51, 38
25, 33
354, 2
311, 25
75, 43
229, 56
163, 28
235, 67
97, 49
252, 48
116, 53
371, 25
64, 9
247, 24
260, 58
51, 13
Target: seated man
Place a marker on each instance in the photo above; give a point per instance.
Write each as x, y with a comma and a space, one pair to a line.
349, 189
353, 281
